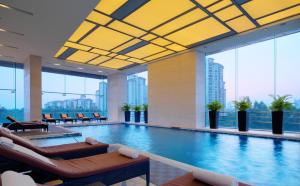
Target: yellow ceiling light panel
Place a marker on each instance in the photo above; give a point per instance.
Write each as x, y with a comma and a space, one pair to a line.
77, 46
228, 13
176, 47
123, 27
279, 15
112, 55
121, 57
82, 56
61, 51
116, 64
161, 41
162, 54
105, 38
219, 5
180, 22
84, 28
109, 6
136, 60
155, 12
200, 31
99, 51
99, 60
259, 8
149, 37
126, 45
98, 18
145, 51
206, 3
241, 24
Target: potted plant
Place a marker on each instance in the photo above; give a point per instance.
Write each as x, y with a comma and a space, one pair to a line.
126, 109
214, 108
137, 113
243, 119
279, 104
145, 109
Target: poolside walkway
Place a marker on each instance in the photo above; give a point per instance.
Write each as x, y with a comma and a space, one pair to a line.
254, 133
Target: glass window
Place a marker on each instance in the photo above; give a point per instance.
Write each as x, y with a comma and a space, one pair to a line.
256, 80
11, 92
220, 83
288, 76
138, 91
76, 94
257, 71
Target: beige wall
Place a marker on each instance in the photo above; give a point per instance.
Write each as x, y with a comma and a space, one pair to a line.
172, 91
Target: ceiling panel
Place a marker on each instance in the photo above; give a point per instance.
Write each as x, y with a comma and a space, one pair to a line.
115, 64
120, 33
82, 56
197, 32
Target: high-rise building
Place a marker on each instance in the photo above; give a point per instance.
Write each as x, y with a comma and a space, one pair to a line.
101, 97
137, 90
216, 85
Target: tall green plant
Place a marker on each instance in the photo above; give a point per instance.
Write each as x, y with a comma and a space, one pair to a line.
145, 107
281, 103
137, 108
214, 106
243, 105
125, 107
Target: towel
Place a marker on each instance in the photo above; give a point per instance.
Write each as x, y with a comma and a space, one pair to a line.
131, 153
6, 142
91, 141
11, 178
5, 130
212, 178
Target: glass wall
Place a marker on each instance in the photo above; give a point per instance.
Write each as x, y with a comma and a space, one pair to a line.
256, 71
137, 90
72, 94
11, 91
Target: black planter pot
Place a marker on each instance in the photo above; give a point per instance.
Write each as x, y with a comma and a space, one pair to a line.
127, 116
137, 116
146, 116
277, 122
243, 120
213, 119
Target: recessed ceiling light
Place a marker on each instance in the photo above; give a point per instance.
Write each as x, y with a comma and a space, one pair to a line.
2, 30
100, 71
56, 64
4, 6
79, 68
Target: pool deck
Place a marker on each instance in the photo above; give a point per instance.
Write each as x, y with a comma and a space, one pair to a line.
65, 130
254, 133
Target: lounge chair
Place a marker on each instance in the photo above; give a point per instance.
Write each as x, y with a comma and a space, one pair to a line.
109, 168
66, 118
82, 117
18, 125
189, 180
48, 118
66, 151
98, 117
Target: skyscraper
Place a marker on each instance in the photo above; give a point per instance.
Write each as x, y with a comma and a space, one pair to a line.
101, 97
137, 90
216, 85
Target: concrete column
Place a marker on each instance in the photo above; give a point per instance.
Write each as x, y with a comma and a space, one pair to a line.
32, 88
116, 96
200, 89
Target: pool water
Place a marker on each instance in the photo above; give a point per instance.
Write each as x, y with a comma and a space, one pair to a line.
259, 161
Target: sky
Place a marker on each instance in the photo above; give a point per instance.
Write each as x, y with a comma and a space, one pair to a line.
255, 72
255, 69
